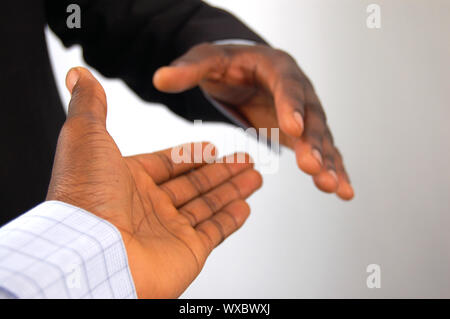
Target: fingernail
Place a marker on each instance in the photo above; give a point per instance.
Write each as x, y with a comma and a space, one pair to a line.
299, 119
333, 173
317, 155
72, 79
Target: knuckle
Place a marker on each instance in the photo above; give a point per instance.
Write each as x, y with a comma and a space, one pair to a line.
329, 136
317, 109
281, 55
337, 154
293, 76
97, 95
202, 46
213, 202
284, 60
91, 90
328, 159
314, 137
80, 125
196, 180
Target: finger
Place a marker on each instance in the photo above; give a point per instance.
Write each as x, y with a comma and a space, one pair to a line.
201, 62
221, 225
345, 190
289, 103
309, 147
88, 97
199, 181
170, 163
238, 187
327, 179
281, 76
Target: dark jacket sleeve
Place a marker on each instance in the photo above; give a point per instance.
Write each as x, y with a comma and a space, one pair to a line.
130, 39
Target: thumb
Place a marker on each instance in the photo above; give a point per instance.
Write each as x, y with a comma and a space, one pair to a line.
204, 61
88, 97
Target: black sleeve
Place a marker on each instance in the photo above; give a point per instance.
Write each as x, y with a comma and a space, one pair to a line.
130, 39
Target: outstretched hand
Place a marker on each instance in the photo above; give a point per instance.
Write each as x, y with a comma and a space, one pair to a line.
171, 213
267, 88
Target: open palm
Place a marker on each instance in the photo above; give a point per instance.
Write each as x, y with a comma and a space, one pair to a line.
171, 213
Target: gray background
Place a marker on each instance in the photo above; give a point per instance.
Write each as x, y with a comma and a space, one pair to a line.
386, 93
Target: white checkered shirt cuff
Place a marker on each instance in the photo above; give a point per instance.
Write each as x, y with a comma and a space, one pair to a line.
57, 250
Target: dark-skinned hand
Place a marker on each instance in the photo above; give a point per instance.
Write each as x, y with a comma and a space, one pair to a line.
171, 213
268, 89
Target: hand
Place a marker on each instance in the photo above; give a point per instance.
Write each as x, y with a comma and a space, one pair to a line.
171, 215
269, 90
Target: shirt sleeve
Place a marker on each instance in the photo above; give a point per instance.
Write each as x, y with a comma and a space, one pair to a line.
57, 250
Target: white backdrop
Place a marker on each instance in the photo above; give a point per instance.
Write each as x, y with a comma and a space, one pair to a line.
386, 93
